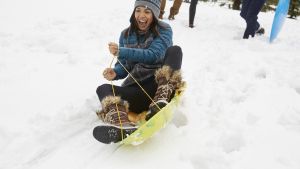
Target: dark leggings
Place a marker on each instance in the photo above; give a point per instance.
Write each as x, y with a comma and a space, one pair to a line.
192, 11
137, 99
249, 11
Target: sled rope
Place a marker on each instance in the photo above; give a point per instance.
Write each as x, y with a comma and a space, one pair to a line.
113, 89
138, 83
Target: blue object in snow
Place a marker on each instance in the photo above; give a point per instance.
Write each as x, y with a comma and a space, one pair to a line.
279, 17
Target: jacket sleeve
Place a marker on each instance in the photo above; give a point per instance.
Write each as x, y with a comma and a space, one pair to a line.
120, 71
154, 54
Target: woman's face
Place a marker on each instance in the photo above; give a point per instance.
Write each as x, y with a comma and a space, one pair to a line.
143, 17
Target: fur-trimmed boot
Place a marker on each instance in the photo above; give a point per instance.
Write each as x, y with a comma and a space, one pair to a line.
114, 110
115, 115
168, 81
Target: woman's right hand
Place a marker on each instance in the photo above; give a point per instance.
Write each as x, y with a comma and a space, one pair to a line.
109, 74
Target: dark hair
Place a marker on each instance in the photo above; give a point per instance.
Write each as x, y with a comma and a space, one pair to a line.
134, 26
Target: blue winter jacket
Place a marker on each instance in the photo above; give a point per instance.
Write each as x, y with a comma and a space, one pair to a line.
142, 54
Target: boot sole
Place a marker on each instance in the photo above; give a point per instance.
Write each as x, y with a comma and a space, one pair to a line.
108, 134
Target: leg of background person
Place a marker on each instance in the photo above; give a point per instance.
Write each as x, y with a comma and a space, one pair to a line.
192, 12
162, 8
245, 7
175, 8
251, 17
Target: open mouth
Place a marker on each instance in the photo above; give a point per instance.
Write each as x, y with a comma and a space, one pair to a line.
142, 24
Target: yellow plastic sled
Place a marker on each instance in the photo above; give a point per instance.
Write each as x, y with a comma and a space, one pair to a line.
148, 128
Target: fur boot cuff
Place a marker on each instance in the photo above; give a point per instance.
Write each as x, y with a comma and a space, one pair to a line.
109, 100
164, 72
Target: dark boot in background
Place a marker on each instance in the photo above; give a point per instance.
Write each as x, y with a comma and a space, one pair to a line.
174, 9
162, 9
260, 31
173, 12
161, 14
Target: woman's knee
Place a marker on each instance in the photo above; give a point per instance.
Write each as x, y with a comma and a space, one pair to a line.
174, 57
174, 52
103, 90
174, 49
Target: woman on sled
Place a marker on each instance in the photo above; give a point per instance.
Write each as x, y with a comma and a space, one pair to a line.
145, 51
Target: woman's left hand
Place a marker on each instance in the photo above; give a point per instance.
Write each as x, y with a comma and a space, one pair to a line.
113, 48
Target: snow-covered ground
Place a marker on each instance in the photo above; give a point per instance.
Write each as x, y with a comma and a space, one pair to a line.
241, 109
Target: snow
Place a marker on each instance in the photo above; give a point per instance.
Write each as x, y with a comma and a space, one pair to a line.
241, 108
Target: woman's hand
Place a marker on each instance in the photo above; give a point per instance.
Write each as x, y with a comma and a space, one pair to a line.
109, 74
113, 48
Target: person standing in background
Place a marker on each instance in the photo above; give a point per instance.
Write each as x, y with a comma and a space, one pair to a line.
192, 12
173, 10
249, 12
